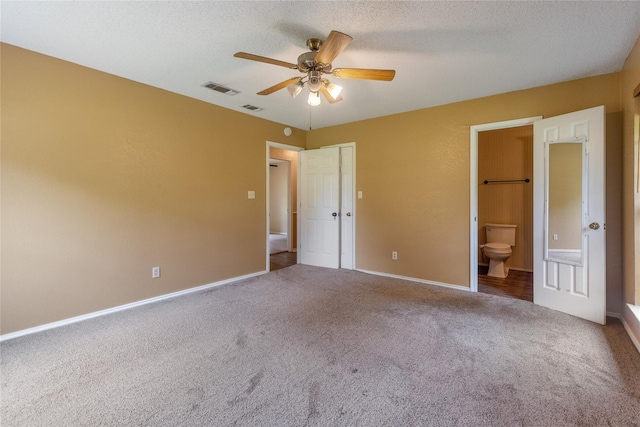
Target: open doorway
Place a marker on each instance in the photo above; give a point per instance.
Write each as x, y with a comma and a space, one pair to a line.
279, 206
505, 198
282, 178
502, 194
281, 253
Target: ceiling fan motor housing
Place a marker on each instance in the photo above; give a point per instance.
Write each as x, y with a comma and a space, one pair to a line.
307, 62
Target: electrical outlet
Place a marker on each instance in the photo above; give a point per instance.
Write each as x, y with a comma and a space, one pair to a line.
155, 272
555, 237
394, 255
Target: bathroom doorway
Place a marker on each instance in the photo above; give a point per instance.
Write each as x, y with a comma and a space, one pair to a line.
502, 193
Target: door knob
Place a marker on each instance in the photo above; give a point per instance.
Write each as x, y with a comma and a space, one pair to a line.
335, 214
594, 226
348, 213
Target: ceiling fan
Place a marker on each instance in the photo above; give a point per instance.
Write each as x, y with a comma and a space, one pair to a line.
316, 63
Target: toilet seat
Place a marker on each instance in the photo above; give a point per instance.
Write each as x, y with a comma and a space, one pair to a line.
498, 247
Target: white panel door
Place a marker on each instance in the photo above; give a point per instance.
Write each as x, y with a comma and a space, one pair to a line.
319, 207
576, 287
346, 207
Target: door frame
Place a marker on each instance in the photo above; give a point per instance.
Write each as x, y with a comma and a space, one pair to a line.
473, 180
281, 146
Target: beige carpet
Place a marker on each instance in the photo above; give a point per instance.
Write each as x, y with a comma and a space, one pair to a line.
311, 346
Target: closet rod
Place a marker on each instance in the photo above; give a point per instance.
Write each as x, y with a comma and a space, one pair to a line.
507, 180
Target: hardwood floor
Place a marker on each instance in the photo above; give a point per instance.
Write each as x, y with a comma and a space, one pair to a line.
517, 284
283, 260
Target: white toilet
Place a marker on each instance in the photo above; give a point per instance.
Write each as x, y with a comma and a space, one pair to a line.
500, 239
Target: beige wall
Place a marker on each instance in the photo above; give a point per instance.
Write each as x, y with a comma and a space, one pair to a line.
507, 154
413, 169
629, 80
104, 178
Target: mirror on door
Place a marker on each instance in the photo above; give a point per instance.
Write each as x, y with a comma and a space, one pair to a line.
564, 196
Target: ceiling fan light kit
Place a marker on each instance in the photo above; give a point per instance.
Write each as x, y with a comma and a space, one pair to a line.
295, 88
333, 89
316, 63
314, 99
315, 80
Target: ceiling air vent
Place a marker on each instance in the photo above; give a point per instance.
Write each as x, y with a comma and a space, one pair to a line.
221, 89
252, 107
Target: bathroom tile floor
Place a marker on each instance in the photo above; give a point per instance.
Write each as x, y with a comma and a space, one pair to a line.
517, 284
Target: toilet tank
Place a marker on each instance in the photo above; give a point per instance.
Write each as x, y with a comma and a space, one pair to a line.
501, 233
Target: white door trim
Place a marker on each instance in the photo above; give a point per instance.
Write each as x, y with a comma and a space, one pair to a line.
473, 180
268, 195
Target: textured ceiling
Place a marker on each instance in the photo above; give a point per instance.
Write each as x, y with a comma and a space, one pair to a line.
442, 52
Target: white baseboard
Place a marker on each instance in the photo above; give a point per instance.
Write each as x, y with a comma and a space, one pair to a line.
413, 279
88, 316
635, 310
626, 328
633, 339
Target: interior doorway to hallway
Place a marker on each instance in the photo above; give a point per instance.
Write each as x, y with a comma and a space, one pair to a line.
279, 205
281, 215
343, 213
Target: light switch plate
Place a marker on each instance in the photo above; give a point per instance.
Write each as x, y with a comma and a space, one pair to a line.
359, 194
252, 194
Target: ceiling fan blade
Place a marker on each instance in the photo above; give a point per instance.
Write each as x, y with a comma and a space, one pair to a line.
364, 74
259, 58
332, 46
327, 95
279, 86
